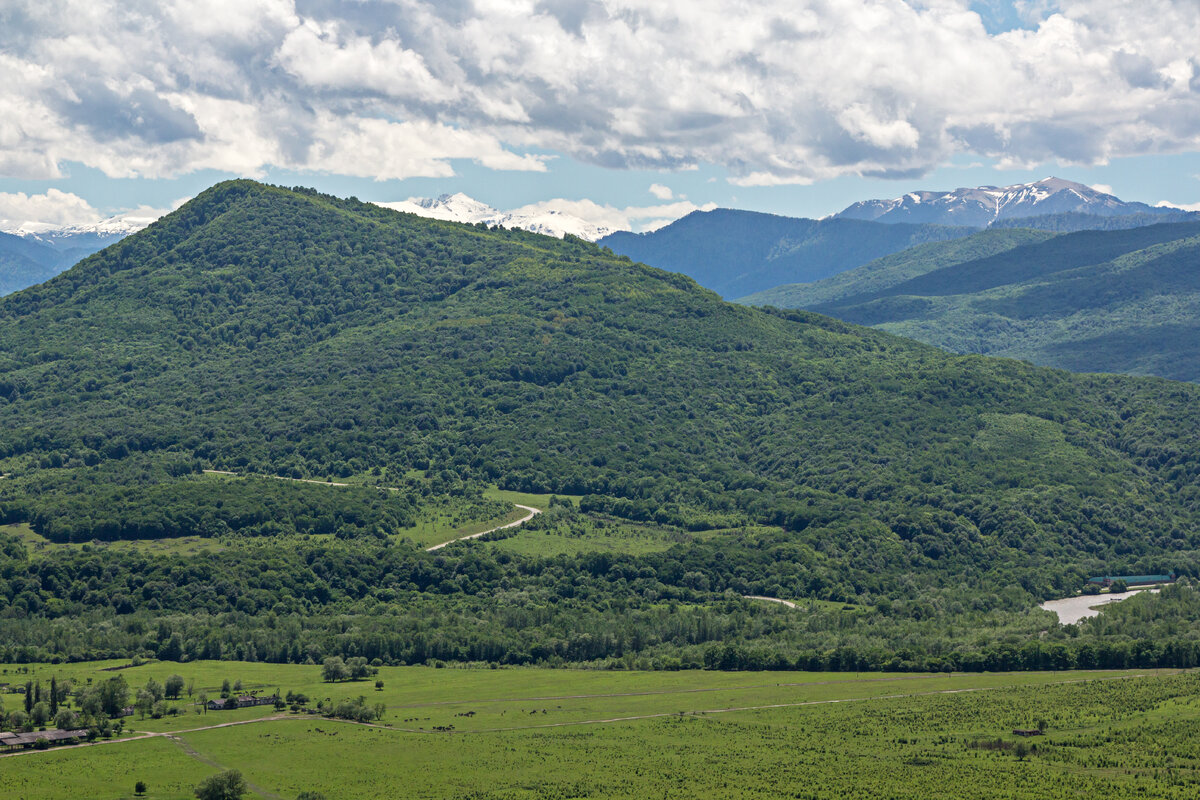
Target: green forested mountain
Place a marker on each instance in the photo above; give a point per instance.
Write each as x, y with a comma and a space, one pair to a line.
1069, 222
1094, 301
883, 274
264, 330
736, 252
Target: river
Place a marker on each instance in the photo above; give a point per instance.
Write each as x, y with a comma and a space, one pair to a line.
1072, 609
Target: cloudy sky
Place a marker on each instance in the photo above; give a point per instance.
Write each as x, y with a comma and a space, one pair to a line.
621, 106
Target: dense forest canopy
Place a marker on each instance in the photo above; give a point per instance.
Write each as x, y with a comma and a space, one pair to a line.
279, 332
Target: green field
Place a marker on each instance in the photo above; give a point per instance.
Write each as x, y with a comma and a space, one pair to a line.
526, 733
40, 546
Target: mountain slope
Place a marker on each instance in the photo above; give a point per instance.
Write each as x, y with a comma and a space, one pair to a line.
884, 273
1069, 222
987, 205
1114, 301
735, 253
283, 332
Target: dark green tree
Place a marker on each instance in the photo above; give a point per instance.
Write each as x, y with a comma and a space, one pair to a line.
114, 696
174, 686
334, 669
228, 785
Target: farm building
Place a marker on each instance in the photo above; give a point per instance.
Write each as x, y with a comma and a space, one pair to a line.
23, 741
245, 701
1132, 580
1026, 732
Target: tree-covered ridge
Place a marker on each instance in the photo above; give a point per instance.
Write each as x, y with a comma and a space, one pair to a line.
146, 498
884, 273
1071, 221
280, 332
1097, 301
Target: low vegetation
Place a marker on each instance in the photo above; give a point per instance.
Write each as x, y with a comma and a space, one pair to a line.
498, 733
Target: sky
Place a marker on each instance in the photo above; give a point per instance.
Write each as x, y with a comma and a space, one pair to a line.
624, 111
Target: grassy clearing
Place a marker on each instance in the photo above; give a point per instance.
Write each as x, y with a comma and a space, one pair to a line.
541, 501
629, 539
439, 524
1136, 736
40, 546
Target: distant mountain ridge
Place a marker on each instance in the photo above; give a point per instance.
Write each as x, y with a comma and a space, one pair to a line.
32, 252
986, 205
459, 207
735, 253
1091, 301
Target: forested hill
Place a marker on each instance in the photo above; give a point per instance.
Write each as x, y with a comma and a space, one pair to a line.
275, 331
735, 253
1096, 301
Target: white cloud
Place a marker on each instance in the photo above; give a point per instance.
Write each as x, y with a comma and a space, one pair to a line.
661, 192
321, 59
55, 207
1103, 188
1180, 206
780, 92
634, 218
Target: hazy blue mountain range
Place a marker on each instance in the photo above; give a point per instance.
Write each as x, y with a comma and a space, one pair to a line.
32, 258
735, 253
1096, 301
24, 262
1071, 221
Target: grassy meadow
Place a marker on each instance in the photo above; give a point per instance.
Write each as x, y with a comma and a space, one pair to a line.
528, 733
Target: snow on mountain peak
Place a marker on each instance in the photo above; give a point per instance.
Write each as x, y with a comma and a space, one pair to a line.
541, 218
983, 205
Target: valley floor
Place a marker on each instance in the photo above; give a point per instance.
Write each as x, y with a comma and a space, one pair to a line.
525, 733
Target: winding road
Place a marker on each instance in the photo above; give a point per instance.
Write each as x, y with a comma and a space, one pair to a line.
533, 512
787, 603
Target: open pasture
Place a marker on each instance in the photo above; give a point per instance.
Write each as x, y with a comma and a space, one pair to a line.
564, 733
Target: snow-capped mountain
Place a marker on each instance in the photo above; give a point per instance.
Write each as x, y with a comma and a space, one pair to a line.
95, 236
984, 205
537, 219
33, 252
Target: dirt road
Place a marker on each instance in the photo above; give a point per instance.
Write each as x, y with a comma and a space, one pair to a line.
533, 512
787, 603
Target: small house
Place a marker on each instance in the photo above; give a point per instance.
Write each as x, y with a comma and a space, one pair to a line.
1026, 732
